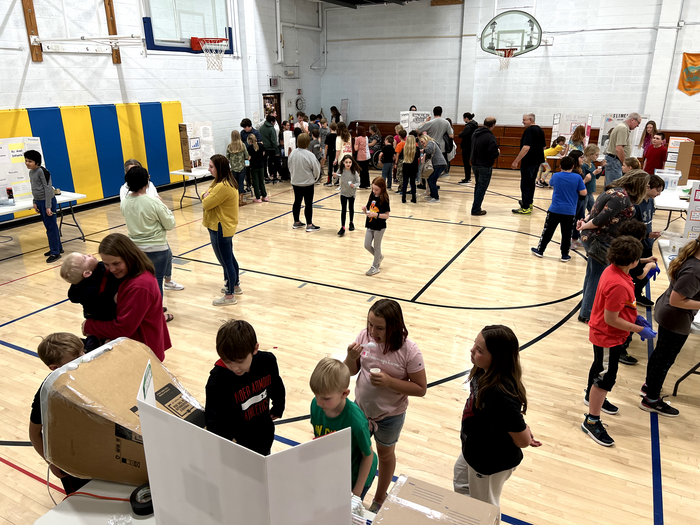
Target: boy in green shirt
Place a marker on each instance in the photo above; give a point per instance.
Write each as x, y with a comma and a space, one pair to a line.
332, 411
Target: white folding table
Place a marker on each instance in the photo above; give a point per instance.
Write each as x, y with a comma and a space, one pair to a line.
66, 197
670, 200
196, 173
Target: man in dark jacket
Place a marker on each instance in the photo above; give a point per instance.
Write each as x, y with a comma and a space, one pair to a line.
484, 154
270, 144
470, 126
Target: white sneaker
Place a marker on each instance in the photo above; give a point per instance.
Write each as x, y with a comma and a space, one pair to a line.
372, 271
237, 290
222, 301
172, 285
434, 201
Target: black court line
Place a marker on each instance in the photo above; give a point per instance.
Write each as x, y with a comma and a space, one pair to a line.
15, 443
460, 252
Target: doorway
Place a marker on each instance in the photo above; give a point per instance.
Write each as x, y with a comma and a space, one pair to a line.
272, 101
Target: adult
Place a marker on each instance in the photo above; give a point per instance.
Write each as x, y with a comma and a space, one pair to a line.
220, 204
531, 155
438, 127
270, 144
413, 108
432, 152
484, 152
139, 307
620, 147
147, 221
304, 170
612, 208
336, 117
363, 155
470, 126
168, 282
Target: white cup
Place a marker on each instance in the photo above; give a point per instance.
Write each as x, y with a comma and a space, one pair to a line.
375, 371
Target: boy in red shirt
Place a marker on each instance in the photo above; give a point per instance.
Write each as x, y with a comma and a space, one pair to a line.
655, 156
613, 317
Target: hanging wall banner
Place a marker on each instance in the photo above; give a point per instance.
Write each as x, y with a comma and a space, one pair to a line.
689, 82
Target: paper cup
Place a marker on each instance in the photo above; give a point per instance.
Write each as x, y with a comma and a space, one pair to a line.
375, 371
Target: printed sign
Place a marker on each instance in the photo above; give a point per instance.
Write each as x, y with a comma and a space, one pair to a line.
689, 83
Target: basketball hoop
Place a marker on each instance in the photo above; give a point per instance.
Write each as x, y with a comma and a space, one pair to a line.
504, 56
213, 49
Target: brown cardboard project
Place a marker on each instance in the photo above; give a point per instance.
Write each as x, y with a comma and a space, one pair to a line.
90, 420
415, 502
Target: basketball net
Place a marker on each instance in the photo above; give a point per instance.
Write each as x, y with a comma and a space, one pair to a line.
214, 49
504, 56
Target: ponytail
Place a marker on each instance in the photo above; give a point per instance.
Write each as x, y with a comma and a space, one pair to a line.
688, 251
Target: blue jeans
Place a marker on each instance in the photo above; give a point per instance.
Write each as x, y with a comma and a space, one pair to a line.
223, 249
160, 261
613, 168
528, 177
169, 266
240, 177
590, 201
580, 214
432, 181
594, 270
482, 175
387, 170
51, 226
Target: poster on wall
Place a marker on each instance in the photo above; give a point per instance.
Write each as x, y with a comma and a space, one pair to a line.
14, 175
344, 109
610, 120
565, 125
410, 120
689, 83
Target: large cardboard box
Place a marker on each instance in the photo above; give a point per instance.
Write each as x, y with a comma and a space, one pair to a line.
680, 156
90, 419
415, 502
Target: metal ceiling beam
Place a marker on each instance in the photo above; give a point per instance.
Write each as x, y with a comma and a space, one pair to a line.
340, 3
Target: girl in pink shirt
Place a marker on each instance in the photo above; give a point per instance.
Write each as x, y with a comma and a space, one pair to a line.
391, 369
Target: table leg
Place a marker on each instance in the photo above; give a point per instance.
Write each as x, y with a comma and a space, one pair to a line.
77, 225
688, 373
60, 223
195, 189
184, 189
668, 223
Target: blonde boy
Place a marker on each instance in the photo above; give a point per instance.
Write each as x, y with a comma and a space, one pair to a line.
331, 411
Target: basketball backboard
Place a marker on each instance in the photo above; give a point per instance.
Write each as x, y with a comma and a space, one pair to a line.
513, 30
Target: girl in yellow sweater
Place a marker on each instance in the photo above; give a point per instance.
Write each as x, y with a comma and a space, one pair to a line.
545, 168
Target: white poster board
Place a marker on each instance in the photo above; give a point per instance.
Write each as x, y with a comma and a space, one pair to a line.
565, 125
692, 222
14, 175
610, 120
344, 109
673, 148
289, 143
410, 120
200, 137
198, 477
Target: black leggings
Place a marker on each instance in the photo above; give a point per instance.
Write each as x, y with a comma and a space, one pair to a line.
343, 205
565, 223
306, 193
668, 346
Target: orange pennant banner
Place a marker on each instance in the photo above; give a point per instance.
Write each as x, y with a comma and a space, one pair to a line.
689, 82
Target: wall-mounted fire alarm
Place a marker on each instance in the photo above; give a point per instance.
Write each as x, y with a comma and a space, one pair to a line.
299, 92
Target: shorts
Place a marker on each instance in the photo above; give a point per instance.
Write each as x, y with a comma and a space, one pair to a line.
389, 430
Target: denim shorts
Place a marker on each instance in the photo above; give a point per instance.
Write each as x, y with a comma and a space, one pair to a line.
389, 429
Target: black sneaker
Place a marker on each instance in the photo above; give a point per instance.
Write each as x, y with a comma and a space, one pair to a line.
421, 186
352, 227
627, 359
608, 407
643, 301
463, 182
52, 259
312, 228
596, 431
341, 232
298, 225
47, 254
659, 407
582, 319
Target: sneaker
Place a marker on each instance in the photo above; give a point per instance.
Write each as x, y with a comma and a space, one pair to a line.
539, 184
372, 271
237, 290
434, 201
565, 258
266, 199
643, 301
575, 244
47, 254
628, 360
597, 432
375, 507
463, 182
399, 192
341, 231
536, 252
257, 200
53, 259
312, 228
608, 407
659, 407
421, 186
520, 203
328, 184
645, 390
582, 319
172, 285
298, 225
222, 301
480, 212
352, 227
523, 211
544, 183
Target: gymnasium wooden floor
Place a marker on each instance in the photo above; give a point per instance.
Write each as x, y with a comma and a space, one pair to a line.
307, 296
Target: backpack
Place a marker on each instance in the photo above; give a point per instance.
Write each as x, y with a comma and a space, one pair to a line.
449, 143
47, 175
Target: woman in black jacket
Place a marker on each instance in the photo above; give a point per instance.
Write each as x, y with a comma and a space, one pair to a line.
470, 126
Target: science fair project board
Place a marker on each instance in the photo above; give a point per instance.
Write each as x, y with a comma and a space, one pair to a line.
565, 125
197, 144
692, 222
14, 175
198, 477
410, 120
610, 120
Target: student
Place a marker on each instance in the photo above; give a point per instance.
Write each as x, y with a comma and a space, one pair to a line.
567, 187
331, 411
630, 164
644, 212
577, 156
336, 117
589, 169
257, 168
493, 428
330, 152
386, 157
674, 313
237, 154
545, 168
411, 162
313, 124
655, 156
93, 287
343, 145
432, 152
645, 141
315, 146
305, 171
576, 142
362, 153
383, 396
399, 159
613, 317
470, 126
377, 211
240, 387
44, 202
323, 135
139, 305
55, 350
349, 174
301, 123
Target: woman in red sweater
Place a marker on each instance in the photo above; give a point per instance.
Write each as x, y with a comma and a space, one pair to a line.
139, 302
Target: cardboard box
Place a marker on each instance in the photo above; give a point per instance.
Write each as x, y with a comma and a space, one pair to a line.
415, 502
680, 156
91, 424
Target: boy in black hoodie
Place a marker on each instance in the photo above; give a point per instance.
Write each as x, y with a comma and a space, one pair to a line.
484, 153
240, 388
